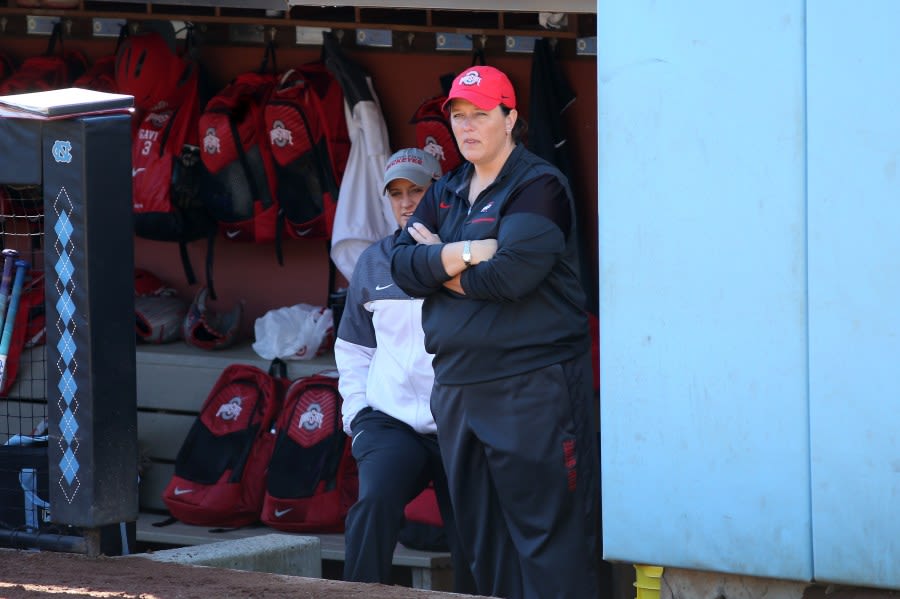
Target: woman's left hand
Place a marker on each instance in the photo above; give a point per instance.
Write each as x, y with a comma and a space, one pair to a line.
421, 234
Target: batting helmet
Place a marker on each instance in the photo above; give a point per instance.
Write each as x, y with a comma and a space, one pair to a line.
148, 68
206, 329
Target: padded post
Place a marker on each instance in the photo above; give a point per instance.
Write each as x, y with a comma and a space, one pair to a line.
89, 258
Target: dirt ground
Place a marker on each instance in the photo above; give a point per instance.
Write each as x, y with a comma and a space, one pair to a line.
46, 575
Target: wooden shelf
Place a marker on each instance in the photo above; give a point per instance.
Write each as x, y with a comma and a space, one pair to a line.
488, 23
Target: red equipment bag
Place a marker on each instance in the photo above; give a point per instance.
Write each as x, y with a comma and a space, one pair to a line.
220, 470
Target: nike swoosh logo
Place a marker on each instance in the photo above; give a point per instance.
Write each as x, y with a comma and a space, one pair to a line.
303, 232
280, 513
383, 287
444, 205
232, 234
135, 171
182, 491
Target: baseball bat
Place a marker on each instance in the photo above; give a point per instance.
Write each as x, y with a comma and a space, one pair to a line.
9, 324
9, 258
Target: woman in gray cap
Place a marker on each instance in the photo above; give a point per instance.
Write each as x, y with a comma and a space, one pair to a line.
385, 380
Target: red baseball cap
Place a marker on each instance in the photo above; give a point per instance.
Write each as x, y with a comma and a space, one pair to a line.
483, 86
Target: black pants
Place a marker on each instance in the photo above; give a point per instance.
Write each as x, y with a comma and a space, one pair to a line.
395, 464
523, 470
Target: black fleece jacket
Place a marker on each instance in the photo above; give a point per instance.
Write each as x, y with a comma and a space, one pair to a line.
524, 308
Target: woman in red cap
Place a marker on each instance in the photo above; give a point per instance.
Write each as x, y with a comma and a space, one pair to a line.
492, 249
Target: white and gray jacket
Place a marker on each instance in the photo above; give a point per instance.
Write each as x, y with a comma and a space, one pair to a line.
362, 216
380, 346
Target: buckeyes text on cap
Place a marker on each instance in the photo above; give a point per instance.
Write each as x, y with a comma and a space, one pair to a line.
413, 164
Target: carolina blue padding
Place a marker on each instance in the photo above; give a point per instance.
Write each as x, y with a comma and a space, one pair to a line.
703, 305
854, 290
89, 275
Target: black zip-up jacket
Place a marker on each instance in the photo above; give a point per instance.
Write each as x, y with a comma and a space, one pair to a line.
524, 308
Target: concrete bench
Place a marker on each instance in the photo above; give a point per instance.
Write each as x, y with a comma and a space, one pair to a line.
292, 555
429, 570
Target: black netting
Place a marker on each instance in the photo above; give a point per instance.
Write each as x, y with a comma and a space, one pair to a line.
24, 510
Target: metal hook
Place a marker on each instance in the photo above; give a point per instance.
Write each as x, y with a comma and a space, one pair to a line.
409, 38
273, 31
483, 41
68, 25
339, 34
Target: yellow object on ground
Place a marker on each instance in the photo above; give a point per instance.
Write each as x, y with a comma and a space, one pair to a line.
647, 580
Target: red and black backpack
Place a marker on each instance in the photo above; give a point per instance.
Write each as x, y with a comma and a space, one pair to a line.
308, 136
242, 195
434, 135
312, 480
220, 470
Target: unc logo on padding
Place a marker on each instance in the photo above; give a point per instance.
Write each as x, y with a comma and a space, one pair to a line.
280, 135
211, 143
230, 410
470, 78
312, 418
434, 148
62, 151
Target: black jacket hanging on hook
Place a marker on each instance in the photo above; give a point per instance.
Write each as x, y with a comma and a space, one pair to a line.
550, 96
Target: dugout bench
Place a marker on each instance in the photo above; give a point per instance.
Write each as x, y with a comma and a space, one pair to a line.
173, 380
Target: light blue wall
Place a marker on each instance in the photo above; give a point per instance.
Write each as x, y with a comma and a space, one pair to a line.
703, 285
750, 286
854, 289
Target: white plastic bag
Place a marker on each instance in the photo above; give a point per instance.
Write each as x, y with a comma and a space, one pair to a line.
293, 333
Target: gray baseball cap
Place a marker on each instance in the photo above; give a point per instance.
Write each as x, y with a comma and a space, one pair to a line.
413, 164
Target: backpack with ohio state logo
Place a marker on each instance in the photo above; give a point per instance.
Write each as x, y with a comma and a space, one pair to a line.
220, 470
242, 194
434, 135
307, 131
312, 479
